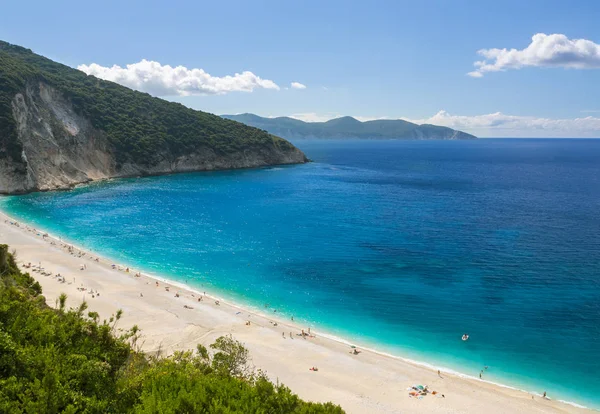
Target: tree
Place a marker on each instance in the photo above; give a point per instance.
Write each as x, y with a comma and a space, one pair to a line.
62, 300
232, 357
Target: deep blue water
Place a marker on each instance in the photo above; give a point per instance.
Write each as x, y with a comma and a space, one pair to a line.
400, 245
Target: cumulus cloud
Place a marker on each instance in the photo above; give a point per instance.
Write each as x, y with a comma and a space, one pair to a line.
498, 124
297, 85
555, 50
164, 80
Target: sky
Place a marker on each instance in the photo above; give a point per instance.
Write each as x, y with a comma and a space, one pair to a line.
492, 68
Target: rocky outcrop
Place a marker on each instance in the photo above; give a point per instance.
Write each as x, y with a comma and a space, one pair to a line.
61, 149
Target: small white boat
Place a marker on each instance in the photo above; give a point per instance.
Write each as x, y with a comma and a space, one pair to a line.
465, 337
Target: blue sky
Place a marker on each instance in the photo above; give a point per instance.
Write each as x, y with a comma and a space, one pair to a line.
376, 59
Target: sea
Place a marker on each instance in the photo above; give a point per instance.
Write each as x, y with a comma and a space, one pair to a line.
397, 246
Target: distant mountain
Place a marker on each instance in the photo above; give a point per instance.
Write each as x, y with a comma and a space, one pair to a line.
60, 127
348, 127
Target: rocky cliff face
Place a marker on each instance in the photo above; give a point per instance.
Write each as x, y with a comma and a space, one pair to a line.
61, 148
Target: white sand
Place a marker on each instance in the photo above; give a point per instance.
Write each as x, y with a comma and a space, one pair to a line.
364, 383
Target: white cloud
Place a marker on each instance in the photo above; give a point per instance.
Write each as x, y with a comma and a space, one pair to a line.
297, 85
165, 80
475, 74
555, 50
501, 125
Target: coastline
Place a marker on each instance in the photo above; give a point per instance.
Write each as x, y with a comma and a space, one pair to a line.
355, 389
91, 181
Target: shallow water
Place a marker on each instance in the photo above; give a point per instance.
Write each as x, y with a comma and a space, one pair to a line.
400, 245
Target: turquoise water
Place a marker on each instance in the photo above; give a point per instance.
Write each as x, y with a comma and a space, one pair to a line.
402, 246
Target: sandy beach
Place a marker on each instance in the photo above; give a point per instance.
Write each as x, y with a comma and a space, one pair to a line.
171, 318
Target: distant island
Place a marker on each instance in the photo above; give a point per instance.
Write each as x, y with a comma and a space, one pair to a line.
348, 127
60, 127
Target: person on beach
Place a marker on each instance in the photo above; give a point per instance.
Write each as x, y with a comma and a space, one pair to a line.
544, 396
439, 374
480, 375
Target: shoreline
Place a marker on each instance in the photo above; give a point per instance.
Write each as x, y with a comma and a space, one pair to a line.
330, 340
91, 181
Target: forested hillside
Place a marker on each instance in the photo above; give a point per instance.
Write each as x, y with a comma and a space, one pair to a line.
85, 128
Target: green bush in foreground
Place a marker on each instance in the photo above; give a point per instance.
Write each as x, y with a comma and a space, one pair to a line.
58, 360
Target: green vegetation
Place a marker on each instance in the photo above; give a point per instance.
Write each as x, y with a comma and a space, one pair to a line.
348, 127
59, 360
140, 128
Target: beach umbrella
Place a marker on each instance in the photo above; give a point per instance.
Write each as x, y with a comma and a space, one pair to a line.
352, 346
